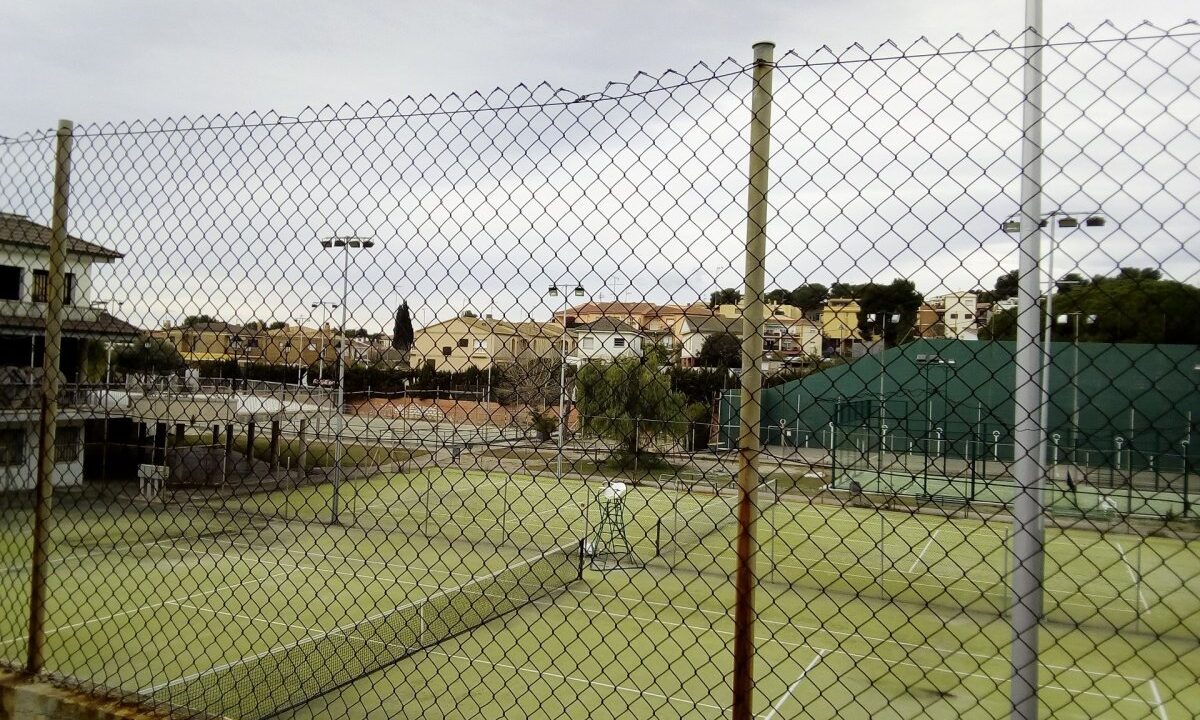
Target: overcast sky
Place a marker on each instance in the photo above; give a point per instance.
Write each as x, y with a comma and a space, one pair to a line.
122, 59
882, 169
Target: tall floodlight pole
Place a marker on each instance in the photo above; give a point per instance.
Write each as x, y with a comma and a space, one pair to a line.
554, 292
749, 479
345, 243
1053, 219
330, 306
1029, 437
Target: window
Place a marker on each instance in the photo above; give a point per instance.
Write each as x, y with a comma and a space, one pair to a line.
769, 344
10, 282
618, 342
12, 446
41, 287
481, 344
462, 342
66, 444
587, 343
953, 316
969, 316
446, 350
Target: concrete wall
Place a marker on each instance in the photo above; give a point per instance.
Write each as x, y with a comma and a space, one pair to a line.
23, 476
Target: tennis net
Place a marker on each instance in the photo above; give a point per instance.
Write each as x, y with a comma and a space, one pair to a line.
264, 684
717, 510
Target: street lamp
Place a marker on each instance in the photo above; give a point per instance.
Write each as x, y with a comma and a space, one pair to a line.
345, 243
1053, 219
554, 292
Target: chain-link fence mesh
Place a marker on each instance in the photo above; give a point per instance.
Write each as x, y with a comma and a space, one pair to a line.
450, 407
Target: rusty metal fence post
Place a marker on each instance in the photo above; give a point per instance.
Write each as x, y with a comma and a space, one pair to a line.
751, 385
51, 380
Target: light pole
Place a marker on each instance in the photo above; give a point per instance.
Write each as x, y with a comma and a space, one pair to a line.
331, 306
1053, 219
883, 320
554, 292
1063, 319
345, 243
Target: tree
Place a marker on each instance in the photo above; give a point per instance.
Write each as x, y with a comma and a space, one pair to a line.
1149, 274
533, 383
1132, 307
402, 331
150, 355
544, 423
194, 320
727, 296
630, 402
809, 297
778, 296
721, 350
1006, 287
899, 297
277, 325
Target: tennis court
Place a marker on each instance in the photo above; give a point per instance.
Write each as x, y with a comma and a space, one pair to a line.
247, 608
1079, 498
604, 650
253, 617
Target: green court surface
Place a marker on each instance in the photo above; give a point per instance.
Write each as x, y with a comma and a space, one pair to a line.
646, 644
1084, 500
898, 613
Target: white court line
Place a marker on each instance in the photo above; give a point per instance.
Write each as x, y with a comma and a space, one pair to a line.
924, 550
1158, 701
365, 561
836, 633
1131, 697
150, 606
240, 616
1133, 576
576, 679
792, 688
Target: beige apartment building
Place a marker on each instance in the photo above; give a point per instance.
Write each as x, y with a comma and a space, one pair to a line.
467, 341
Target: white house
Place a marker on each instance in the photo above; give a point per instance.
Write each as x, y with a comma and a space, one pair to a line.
958, 313
24, 287
605, 340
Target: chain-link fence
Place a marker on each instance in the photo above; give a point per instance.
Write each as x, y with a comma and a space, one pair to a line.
750, 390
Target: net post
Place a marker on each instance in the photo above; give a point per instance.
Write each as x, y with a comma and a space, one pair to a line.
51, 382
751, 383
1028, 433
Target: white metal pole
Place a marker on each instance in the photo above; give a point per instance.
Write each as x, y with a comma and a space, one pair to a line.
562, 391
1029, 438
1075, 393
341, 397
1047, 336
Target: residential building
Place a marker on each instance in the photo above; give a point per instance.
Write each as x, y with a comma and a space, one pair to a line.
953, 315
467, 341
693, 330
839, 320
24, 291
605, 340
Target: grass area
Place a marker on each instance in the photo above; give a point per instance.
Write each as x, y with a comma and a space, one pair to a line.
863, 611
318, 453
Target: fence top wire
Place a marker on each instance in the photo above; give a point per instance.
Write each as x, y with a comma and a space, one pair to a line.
1066, 36
643, 84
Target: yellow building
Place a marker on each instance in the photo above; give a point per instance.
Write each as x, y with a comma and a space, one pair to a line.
463, 342
839, 319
